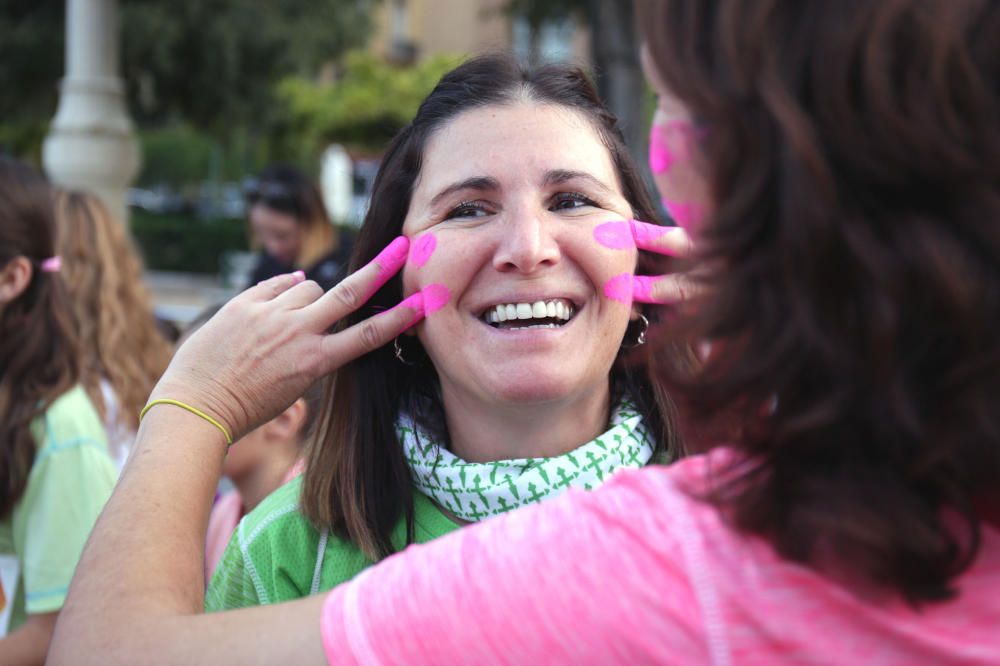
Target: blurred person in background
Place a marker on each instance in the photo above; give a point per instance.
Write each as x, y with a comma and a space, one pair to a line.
262, 461
290, 226
55, 471
123, 350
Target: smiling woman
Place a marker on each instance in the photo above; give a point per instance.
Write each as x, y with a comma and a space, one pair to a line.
516, 388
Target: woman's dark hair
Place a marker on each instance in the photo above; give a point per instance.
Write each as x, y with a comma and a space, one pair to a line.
285, 189
852, 266
357, 480
38, 346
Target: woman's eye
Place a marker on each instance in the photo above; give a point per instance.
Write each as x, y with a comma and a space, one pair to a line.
571, 200
467, 209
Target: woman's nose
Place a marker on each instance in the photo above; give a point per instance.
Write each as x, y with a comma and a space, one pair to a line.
526, 243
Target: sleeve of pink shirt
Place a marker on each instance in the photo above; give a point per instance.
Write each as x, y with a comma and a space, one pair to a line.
573, 579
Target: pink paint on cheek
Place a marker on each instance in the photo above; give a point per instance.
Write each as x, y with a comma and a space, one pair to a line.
686, 215
615, 235
619, 288
422, 249
660, 157
435, 297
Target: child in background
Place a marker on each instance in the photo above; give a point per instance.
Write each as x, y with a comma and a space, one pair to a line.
55, 471
257, 465
123, 351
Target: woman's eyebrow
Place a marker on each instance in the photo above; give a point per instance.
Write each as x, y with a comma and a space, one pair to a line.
559, 176
481, 183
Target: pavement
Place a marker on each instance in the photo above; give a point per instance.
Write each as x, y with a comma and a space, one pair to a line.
180, 297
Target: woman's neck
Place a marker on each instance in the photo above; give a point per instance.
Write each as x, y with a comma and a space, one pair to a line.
262, 481
482, 432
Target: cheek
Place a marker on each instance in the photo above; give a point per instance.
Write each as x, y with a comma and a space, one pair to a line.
673, 147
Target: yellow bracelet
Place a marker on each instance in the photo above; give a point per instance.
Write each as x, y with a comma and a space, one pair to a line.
193, 410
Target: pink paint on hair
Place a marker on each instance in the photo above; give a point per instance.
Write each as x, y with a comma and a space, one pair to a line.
686, 215
619, 288
422, 249
416, 303
616, 235
435, 297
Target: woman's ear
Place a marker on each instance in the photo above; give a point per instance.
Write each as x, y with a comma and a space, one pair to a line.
14, 279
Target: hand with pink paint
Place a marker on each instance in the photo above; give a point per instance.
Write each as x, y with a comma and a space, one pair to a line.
270, 343
661, 240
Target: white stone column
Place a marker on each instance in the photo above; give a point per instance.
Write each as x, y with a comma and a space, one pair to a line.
91, 144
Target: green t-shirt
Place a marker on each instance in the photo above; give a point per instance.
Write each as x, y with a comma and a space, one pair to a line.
69, 483
277, 555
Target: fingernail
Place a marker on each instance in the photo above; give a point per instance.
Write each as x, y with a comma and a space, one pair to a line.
435, 298
414, 302
300, 276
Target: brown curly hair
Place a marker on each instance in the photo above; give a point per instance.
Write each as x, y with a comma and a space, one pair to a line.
852, 272
38, 346
112, 307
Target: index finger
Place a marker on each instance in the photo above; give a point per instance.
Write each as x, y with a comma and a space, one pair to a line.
354, 291
624, 234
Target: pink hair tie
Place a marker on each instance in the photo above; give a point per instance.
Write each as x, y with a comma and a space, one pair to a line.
51, 265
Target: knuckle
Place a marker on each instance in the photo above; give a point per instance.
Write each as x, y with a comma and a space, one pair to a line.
370, 336
347, 295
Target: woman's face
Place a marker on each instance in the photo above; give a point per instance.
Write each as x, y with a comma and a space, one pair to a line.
278, 233
674, 154
503, 215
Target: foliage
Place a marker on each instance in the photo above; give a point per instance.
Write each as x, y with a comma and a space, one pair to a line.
185, 242
369, 103
215, 62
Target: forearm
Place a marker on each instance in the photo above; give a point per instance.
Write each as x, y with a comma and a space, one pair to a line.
29, 644
144, 561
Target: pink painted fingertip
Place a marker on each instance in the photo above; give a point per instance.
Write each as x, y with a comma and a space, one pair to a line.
435, 298
393, 256
646, 234
416, 303
642, 288
422, 249
619, 288
299, 276
616, 235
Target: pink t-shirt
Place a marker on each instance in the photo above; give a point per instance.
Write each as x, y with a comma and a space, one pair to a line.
640, 572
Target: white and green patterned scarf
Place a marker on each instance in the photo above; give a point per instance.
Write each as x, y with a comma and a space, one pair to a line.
474, 491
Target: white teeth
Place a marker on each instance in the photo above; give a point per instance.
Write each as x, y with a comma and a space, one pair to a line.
557, 308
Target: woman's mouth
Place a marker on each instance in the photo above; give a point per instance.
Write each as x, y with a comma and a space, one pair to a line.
539, 314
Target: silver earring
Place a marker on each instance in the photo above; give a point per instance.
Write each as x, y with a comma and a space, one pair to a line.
641, 338
399, 352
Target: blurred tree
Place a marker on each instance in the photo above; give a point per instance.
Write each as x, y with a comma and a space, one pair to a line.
31, 63
370, 102
210, 63
615, 48
215, 62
